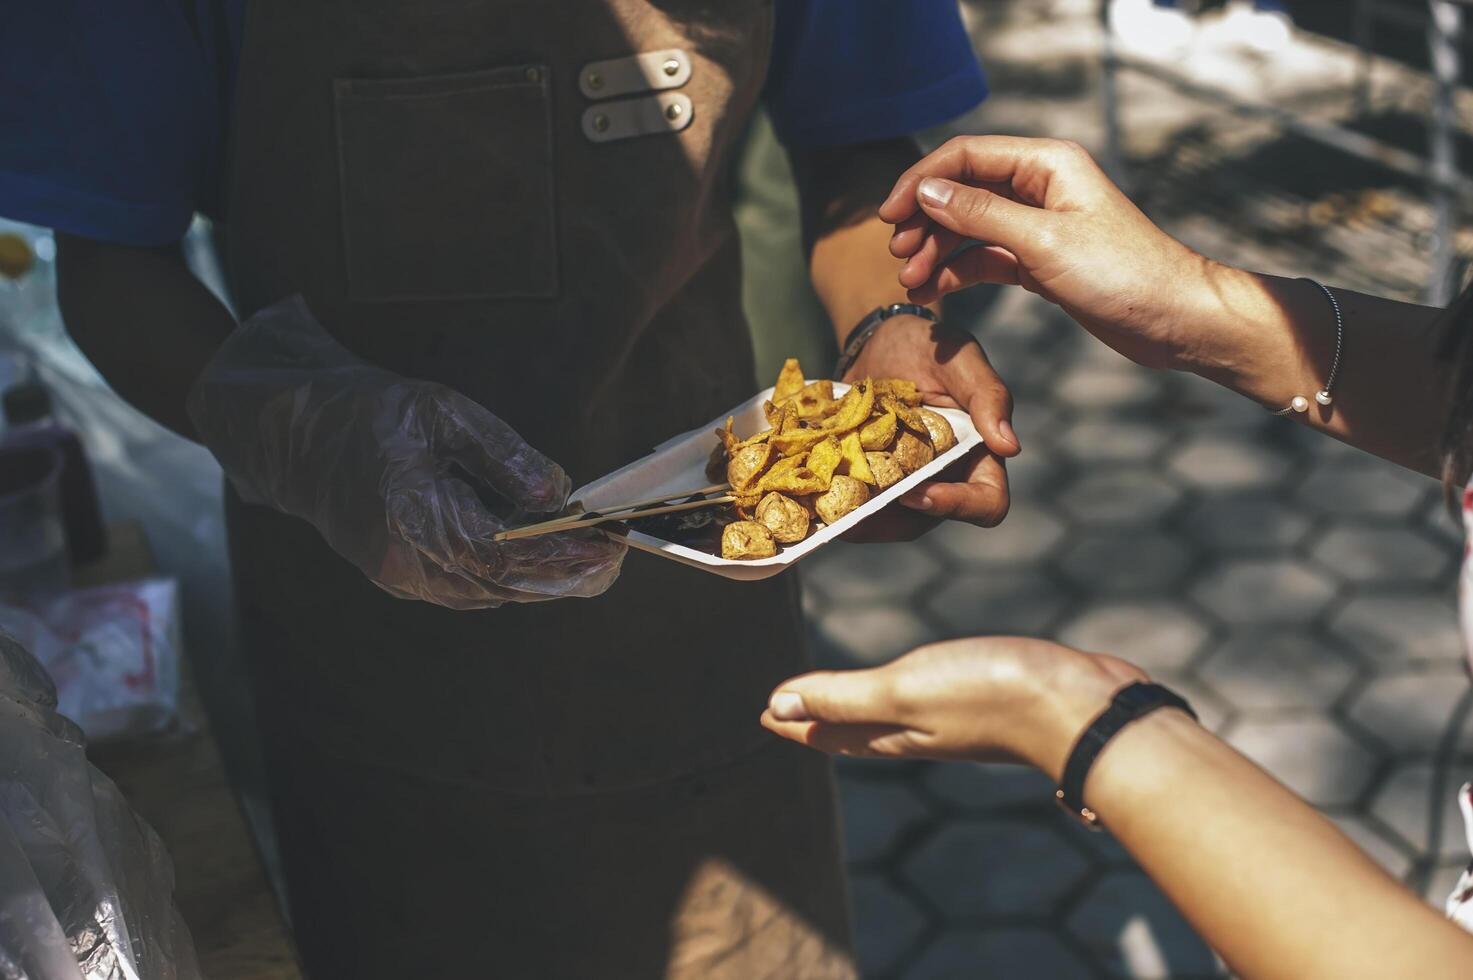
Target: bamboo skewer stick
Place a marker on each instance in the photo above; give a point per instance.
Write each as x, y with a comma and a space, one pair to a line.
554, 527
573, 520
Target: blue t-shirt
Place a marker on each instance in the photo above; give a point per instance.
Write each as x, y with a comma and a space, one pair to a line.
113, 117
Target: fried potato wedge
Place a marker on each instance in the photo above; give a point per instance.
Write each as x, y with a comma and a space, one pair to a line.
904, 392
789, 381
878, 434
787, 519
825, 459
912, 452
854, 408
886, 471
843, 496
854, 462
942, 436
909, 417
745, 540
748, 464
798, 440
729, 440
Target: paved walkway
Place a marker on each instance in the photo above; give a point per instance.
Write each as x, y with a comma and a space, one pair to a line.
1298, 592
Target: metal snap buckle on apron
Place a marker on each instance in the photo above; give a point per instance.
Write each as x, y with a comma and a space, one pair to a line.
651, 71
668, 112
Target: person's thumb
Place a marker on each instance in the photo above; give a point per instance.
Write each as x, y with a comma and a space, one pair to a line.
978, 213
843, 697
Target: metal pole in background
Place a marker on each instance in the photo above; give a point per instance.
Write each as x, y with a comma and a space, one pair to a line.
1444, 31
1365, 59
1114, 157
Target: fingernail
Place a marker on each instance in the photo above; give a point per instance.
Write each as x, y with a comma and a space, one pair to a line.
1006, 428
935, 192
787, 706
918, 501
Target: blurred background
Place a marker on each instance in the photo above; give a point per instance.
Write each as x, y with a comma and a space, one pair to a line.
1299, 593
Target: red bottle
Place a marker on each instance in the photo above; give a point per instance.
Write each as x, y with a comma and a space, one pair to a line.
29, 422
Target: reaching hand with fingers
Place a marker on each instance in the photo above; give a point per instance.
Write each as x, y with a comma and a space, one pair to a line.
999, 699
1044, 216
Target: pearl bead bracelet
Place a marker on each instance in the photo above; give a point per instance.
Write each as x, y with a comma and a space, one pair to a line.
1299, 404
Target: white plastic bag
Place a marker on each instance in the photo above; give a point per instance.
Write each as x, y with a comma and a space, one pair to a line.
112, 652
86, 887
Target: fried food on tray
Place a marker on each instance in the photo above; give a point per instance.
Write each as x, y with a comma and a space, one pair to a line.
783, 516
820, 457
742, 540
942, 437
887, 472
911, 452
747, 464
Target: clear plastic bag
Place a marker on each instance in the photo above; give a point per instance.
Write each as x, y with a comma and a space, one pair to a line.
86, 888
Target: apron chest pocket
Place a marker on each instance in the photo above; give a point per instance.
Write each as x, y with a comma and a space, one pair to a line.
447, 186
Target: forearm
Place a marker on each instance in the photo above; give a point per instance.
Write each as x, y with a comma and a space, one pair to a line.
143, 319
848, 245
1275, 888
1271, 339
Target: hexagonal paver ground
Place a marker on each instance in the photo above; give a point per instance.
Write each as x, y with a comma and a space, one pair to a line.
1217, 462
1135, 931
877, 815
975, 786
987, 867
998, 601
1401, 804
851, 574
1017, 952
1265, 591
1125, 561
1364, 487
1119, 495
872, 634
1399, 628
1246, 523
1030, 533
1408, 711
876, 900
1277, 669
1382, 554
1299, 592
1156, 634
1311, 755
1116, 441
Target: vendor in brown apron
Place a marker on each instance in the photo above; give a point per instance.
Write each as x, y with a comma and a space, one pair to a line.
525, 205
526, 202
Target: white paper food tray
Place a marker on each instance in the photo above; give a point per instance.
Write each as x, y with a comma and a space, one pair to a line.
679, 466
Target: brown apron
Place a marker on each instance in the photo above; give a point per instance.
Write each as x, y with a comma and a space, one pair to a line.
566, 789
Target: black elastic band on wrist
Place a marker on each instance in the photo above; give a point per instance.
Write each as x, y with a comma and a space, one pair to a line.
1131, 702
860, 335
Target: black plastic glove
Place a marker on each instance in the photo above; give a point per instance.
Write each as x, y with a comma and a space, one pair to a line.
379, 464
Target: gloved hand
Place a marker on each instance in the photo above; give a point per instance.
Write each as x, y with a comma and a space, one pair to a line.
380, 465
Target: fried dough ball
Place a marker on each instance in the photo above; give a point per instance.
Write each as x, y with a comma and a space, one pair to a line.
784, 517
844, 495
942, 437
887, 472
742, 540
747, 465
911, 452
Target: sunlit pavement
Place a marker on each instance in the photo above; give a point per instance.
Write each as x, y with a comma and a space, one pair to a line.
1298, 592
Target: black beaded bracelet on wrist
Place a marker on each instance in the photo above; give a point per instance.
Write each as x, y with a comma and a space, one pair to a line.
1129, 704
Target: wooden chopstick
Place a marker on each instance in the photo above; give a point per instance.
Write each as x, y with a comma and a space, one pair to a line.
572, 521
601, 517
